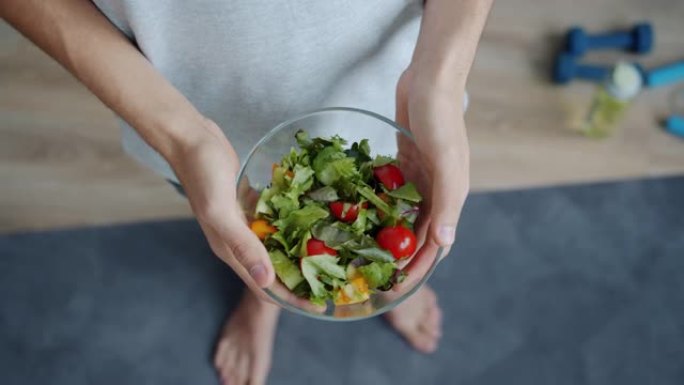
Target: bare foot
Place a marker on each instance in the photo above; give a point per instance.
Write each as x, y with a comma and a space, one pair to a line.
243, 353
419, 320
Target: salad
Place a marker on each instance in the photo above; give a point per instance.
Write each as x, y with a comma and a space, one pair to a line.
336, 221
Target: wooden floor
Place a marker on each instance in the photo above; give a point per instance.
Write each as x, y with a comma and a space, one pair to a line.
62, 166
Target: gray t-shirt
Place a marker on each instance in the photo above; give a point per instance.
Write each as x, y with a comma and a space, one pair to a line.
249, 65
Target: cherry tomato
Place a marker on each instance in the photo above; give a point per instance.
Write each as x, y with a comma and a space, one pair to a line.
398, 240
338, 211
316, 247
389, 175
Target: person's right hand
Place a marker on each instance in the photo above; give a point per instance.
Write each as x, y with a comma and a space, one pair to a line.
207, 170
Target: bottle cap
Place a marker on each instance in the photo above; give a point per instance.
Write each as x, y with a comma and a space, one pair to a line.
625, 81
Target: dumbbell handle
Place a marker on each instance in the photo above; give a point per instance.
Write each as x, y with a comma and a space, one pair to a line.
665, 75
588, 72
610, 40
675, 125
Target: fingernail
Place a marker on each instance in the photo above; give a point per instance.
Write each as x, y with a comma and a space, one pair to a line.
258, 273
446, 235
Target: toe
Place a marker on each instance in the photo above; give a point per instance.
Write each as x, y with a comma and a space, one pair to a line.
438, 320
421, 339
429, 345
425, 343
419, 320
258, 377
429, 297
432, 323
260, 367
220, 354
226, 368
226, 376
241, 372
430, 340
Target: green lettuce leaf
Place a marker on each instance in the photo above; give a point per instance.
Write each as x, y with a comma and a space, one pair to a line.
262, 207
302, 218
332, 236
278, 236
278, 180
344, 168
372, 216
324, 194
369, 194
284, 204
301, 182
407, 211
361, 221
406, 192
286, 270
327, 264
360, 151
331, 165
375, 254
377, 274
291, 159
364, 148
310, 273
366, 171
314, 266
303, 139
302, 179
302, 244
382, 160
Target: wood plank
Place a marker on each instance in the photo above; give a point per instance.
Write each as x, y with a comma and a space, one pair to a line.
62, 164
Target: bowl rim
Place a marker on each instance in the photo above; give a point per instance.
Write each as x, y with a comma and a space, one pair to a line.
286, 305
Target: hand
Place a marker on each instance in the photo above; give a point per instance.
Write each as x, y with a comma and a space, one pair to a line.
438, 161
207, 170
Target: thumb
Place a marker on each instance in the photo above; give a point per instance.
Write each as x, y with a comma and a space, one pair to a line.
450, 185
247, 249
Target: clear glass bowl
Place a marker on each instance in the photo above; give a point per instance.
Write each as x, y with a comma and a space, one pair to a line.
385, 138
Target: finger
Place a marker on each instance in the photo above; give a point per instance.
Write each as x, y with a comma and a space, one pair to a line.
222, 250
419, 265
246, 248
247, 279
280, 291
424, 257
450, 187
217, 209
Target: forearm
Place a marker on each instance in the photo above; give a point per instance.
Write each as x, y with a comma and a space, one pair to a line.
449, 34
80, 38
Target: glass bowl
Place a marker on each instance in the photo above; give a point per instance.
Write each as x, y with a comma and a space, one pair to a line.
385, 138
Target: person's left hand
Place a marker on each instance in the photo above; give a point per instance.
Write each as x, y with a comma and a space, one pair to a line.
437, 161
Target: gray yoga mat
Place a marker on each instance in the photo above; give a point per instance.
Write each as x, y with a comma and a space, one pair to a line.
572, 285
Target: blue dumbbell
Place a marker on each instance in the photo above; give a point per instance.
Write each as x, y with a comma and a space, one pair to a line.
565, 69
638, 40
665, 75
675, 125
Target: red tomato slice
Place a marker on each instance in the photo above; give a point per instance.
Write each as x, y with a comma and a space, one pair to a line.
389, 175
316, 247
398, 240
346, 212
